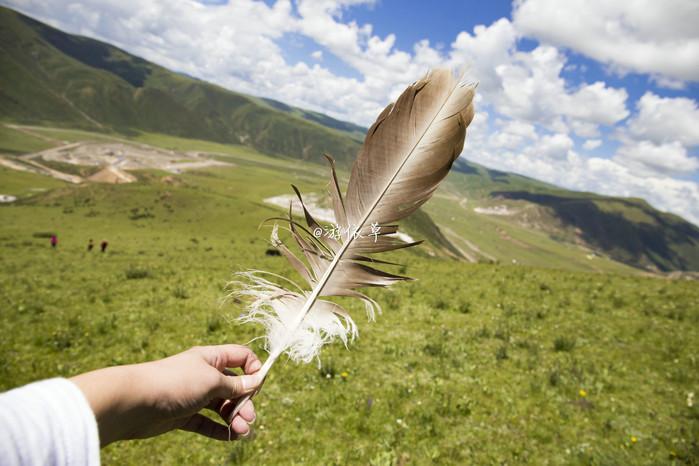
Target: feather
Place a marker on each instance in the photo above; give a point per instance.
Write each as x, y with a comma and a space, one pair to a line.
407, 152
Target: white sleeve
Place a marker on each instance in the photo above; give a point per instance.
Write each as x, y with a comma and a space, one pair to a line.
47, 423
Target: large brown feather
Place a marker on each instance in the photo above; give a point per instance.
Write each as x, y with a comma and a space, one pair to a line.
406, 154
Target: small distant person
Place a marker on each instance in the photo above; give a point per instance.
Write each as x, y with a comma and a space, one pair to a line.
54, 241
90, 245
103, 245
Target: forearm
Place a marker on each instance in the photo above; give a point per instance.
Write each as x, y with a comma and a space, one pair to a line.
114, 394
148, 399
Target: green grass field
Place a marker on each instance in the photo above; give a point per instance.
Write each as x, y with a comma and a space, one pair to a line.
469, 364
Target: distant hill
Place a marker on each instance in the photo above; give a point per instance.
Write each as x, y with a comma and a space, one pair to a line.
627, 230
50, 78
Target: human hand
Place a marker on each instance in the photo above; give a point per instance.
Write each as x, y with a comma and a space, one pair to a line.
149, 399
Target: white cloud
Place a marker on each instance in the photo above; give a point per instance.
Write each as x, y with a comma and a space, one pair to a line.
385, 69
646, 157
238, 45
585, 129
597, 103
485, 50
511, 134
669, 83
591, 144
647, 36
556, 146
663, 120
533, 90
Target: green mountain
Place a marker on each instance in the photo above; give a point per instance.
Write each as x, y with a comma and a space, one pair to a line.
53, 79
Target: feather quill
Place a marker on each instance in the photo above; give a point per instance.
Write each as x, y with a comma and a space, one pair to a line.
407, 152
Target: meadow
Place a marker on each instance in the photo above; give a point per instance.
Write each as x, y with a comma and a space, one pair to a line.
468, 364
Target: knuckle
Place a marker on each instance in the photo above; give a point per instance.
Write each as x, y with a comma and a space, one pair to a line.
235, 385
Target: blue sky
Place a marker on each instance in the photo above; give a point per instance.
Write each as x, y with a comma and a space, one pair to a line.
594, 95
441, 25
413, 20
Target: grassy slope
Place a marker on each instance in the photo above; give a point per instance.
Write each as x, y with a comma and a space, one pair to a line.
508, 242
16, 142
472, 372
22, 184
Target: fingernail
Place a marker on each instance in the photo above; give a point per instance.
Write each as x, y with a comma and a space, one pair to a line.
255, 366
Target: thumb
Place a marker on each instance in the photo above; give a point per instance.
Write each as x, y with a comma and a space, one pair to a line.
232, 387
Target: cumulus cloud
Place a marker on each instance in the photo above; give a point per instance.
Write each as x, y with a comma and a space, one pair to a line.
483, 51
512, 134
533, 90
239, 45
556, 146
646, 157
663, 120
645, 36
591, 144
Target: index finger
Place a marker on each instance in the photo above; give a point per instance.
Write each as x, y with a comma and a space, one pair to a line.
223, 356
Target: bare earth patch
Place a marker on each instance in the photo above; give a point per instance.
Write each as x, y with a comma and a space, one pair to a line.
116, 158
501, 210
112, 175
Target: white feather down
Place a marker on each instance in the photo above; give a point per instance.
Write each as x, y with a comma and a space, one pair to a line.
276, 309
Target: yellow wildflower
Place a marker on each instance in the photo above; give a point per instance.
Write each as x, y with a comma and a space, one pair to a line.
634, 439
582, 393
344, 374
